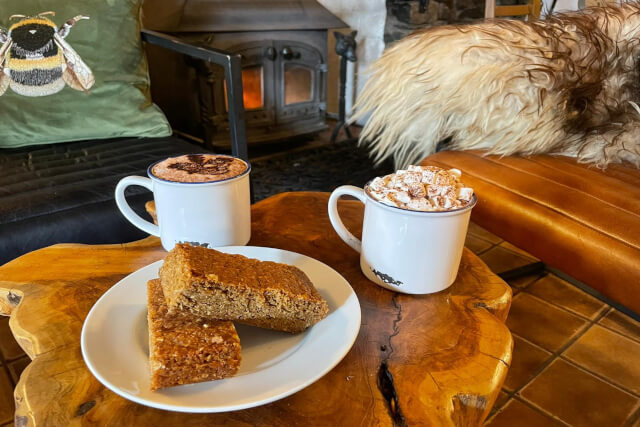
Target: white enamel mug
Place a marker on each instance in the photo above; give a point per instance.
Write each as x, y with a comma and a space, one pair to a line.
216, 213
406, 251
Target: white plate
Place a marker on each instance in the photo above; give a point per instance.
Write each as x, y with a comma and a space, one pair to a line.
274, 364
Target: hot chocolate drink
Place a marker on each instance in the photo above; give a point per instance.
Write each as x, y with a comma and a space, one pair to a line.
199, 168
422, 188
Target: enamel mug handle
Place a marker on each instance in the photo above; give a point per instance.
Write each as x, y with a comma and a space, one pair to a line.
334, 217
126, 210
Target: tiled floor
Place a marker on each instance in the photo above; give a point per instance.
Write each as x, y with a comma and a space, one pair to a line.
576, 361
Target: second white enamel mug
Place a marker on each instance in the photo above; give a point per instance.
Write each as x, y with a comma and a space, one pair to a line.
406, 251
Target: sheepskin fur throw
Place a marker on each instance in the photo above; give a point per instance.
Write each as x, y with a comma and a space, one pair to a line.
567, 85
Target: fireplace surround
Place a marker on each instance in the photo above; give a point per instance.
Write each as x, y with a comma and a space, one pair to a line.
284, 52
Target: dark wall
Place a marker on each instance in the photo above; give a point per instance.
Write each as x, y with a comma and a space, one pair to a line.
406, 16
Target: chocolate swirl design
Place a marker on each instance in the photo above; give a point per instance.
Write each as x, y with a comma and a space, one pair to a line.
198, 164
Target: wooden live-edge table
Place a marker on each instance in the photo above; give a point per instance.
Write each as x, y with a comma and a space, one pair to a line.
434, 360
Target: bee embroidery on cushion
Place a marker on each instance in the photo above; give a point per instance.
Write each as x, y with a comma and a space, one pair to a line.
36, 61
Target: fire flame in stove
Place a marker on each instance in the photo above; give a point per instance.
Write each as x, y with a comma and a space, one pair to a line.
297, 87
252, 94
252, 88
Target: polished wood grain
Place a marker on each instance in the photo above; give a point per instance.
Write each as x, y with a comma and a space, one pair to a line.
419, 360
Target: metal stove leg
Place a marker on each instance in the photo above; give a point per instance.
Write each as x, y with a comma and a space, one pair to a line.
341, 103
237, 124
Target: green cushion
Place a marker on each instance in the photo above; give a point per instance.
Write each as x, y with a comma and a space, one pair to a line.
119, 102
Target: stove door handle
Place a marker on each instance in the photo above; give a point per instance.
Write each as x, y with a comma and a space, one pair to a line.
270, 53
288, 53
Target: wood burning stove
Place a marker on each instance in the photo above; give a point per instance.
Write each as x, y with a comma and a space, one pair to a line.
283, 45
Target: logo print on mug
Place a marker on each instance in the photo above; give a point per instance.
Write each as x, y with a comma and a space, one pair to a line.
204, 245
386, 278
202, 199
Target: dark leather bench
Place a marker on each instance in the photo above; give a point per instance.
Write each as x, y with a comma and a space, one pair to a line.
63, 193
577, 218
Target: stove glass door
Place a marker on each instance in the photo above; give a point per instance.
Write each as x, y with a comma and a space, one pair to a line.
298, 82
299, 86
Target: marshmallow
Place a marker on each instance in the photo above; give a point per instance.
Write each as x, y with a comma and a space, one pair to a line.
422, 188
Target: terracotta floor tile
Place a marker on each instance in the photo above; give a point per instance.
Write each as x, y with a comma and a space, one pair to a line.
542, 323
6, 398
527, 360
8, 345
478, 231
514, 248
476, 244
609, 354
561, 293
515, 414
522, 282
503, 397
17, 366
500, 259
622, 323
579, 398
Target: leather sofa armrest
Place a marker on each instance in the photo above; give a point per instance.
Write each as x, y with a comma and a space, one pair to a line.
232, 74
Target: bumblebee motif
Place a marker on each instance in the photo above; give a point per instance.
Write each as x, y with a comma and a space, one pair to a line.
35, 60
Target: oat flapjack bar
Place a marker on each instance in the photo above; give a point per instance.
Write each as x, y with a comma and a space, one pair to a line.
184, 348
213, 284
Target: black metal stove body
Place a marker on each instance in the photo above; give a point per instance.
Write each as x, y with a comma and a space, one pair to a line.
284, 82
283, 45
